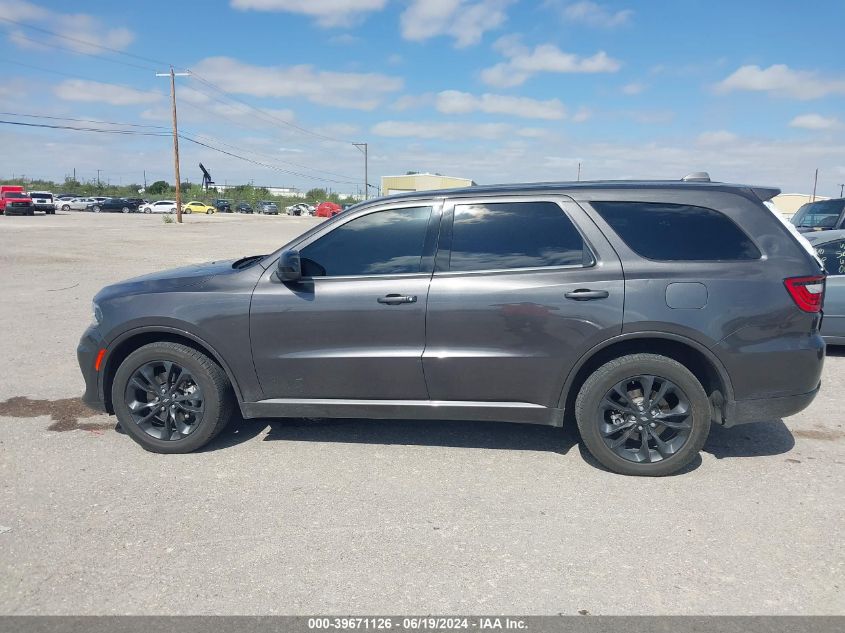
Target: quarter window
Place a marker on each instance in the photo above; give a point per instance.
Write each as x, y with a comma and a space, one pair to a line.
514, 235
382, 243
832, 255
677, 232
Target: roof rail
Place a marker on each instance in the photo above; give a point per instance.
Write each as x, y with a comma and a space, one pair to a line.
697, 176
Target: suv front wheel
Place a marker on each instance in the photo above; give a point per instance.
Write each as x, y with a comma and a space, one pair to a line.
171, 398
643, 414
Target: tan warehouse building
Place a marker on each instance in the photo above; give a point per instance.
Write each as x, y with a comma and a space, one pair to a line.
421, 182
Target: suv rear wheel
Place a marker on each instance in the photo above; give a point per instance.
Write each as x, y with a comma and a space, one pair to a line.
171, 398
643, 414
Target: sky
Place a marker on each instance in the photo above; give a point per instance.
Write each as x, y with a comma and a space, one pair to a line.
492, 90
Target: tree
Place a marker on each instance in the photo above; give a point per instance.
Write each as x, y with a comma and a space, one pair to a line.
315, 195
158, 187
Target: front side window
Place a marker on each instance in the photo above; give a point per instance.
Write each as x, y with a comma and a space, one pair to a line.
506, 235
382, 243
677, 232
832, 255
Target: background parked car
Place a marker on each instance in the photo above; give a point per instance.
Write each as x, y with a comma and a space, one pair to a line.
268, 208
830, 247
327, 210
13, 201
114, 205
137, 202
195, 206
222, 205
43, 201
243, 207
161, 206
299, 209
820, 216
76, 204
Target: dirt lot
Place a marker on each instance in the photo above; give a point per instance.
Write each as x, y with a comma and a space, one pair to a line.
371, 517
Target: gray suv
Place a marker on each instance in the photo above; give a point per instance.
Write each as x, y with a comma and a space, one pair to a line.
645, 311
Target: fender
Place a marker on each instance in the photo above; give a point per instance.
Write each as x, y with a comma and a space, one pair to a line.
629, 336
166, 329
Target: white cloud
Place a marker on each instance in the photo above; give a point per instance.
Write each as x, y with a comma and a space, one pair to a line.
456, 102
411, 102
524, 62
85, 30
328, 13
583, 114
594, 14
361, 91
812, 121
99, 92
633, 88
719, 137
434, 130
781, 80
464, 21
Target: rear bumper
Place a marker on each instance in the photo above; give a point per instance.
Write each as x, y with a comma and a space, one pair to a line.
765, 409
86, 354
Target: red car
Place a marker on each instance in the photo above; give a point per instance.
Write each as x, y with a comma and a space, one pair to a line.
327, 210
13, 201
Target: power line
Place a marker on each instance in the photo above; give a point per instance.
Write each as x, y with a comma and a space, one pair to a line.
62, 118
78, 52
85, 129
85, 42
267, 114
262, 164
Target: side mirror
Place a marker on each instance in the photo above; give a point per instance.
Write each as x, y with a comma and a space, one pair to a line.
289, 266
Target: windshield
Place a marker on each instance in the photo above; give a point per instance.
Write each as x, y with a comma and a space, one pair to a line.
41, 195
823, 214
14, 194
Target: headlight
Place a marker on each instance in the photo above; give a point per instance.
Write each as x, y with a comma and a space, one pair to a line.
97, 314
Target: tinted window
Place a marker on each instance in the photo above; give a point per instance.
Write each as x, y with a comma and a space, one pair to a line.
677, 232
832, 255
381, 243
822, 215
514, 235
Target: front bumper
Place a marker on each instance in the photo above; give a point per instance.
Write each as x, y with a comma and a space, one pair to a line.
86, 354
765, 409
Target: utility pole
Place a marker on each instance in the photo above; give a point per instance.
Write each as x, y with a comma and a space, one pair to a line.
841, 190
579, 171
173, 76
145, 180
815, 183
98, 178
366, 166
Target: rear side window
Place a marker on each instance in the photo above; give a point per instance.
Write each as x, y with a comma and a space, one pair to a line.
677, 232
514, 235
832, 255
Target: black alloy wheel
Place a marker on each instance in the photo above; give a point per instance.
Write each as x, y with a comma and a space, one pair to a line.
165, 400
645, 418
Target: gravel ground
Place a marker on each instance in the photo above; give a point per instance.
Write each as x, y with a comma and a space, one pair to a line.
304, 517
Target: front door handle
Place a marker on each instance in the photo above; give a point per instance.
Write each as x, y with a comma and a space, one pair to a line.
584, 294
395, 300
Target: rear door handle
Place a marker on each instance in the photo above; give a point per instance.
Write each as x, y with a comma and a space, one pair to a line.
395, 300
584, 294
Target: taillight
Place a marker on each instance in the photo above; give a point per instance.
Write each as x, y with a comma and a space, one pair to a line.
806, 292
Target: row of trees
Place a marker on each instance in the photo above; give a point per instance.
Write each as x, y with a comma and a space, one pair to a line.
161, 189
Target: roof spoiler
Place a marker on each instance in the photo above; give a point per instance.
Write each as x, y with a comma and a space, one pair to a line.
765, 193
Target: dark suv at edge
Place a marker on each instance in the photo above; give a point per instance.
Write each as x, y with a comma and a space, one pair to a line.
647, 310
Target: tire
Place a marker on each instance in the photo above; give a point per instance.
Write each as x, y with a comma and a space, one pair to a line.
126, 209
96, 209
65, 207
679, 443
148, 210
186, 211
207, 375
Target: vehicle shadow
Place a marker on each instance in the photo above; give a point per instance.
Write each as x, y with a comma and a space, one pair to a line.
455, 434
835, 350
748, 440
